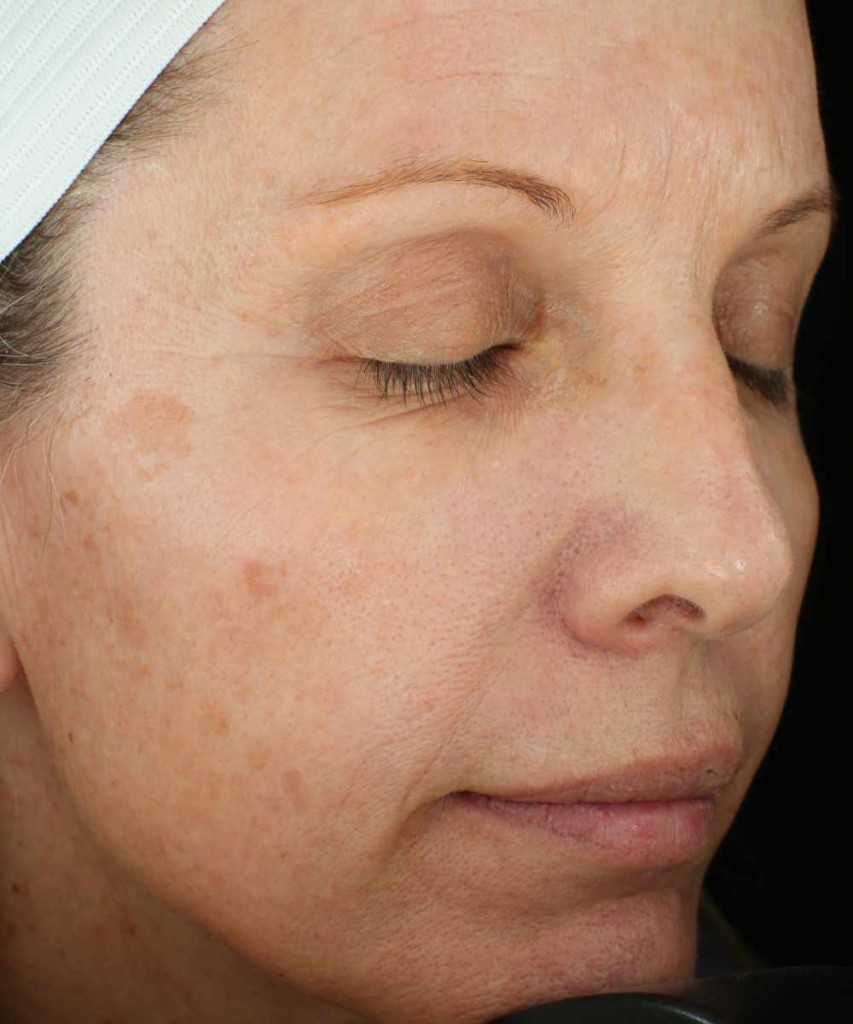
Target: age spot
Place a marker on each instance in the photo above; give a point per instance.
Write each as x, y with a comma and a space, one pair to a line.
129, 624
156, 422
216, 721
261, 578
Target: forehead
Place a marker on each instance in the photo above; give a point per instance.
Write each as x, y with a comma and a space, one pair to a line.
592, 94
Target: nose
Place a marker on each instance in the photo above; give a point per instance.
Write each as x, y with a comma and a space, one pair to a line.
681, 536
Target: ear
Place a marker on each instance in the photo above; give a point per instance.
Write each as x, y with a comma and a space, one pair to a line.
11, 669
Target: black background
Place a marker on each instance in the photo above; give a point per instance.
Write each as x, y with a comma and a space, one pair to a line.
784, 874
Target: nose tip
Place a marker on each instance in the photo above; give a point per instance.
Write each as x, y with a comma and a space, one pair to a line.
754, 563
683, 605
723, 603
670, 566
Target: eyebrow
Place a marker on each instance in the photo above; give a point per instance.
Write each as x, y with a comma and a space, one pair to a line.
822, 199
554, 201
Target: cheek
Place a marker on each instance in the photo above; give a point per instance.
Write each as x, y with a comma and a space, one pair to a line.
238, 676
255, 681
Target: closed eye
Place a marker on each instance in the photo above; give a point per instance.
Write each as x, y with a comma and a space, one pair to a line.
775, 386
435, 384
489, 370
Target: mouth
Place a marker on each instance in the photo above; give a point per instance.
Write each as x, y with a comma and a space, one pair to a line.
643, 815
635, 833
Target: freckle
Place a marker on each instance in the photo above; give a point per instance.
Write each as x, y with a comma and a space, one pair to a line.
295, 783
72, 497
16, 888
130, 625
71, 737
259, 756
217, 722
259, 578
128, 929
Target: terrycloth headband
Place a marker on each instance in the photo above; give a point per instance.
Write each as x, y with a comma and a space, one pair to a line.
69, 72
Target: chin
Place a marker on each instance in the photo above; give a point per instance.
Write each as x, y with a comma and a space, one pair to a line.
633, 942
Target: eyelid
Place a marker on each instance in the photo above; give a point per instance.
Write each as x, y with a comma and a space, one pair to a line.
490, 370
774, 385
477, 377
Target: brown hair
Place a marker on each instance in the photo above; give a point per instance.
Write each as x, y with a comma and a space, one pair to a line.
39, 338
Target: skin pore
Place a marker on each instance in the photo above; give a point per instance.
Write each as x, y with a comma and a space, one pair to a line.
258, 622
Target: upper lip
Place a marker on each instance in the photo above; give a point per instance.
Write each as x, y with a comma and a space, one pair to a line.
663, 778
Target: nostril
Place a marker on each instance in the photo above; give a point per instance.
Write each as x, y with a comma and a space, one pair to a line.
665, 605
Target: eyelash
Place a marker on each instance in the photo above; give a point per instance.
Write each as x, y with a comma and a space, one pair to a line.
776, 387
489, 370
479, 376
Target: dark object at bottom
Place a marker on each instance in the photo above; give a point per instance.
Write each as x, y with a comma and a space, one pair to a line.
788, 995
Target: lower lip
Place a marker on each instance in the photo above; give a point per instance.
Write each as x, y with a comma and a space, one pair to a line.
643, 833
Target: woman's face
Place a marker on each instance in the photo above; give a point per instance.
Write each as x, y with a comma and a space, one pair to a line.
272, 620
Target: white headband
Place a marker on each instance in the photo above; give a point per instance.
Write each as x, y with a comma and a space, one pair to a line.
69, 72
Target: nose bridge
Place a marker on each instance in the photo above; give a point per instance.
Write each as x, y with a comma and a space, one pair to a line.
701, 476
702, 543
